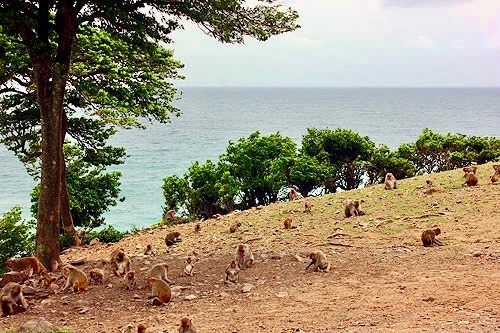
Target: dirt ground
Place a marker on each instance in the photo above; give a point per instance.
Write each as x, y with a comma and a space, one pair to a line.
382, 278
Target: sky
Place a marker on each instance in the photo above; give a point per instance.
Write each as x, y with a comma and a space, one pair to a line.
379, 43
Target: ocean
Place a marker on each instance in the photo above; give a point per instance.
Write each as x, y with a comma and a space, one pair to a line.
213, 116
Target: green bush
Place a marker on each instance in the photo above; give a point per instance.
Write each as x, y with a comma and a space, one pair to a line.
106, 235
16, 236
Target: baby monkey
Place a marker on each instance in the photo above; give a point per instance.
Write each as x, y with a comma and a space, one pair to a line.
244, 257
12, 299
232, 272
189, 267
318, 259
187, 326
353, 208
130, 280
429, 237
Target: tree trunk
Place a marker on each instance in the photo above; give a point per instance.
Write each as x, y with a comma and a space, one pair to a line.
66, 217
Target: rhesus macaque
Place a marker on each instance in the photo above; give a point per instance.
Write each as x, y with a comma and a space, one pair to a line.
30, 264
390, 182
244, 257
307, 207
353, 208
189, 267
75, 278
172, 238
169, 216
232, 272
12, 299
97, 275
160, 291
149, 250
141, 328
197, 227
430, 189
187, 326
470, 179
160, 271
287, 223
318, 259
130, 280
119, 262
294, 195
234, 227
429, 237
472, 169
496, 176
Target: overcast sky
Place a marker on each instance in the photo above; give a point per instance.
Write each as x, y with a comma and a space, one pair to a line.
358, 43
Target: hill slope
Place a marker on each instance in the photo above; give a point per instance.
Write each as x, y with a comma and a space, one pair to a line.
382, 278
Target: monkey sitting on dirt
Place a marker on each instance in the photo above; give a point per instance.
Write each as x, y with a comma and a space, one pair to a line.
429, 237
353, 208
390, 182
318, 259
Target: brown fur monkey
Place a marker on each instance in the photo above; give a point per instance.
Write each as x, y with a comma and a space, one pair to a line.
244, 257
75, 278
294, 195
390, 182
234, 227
470, 179
308, 207
187, 326
30, 264
197, 227
160, 271
318, 259
169, 216
429, 237
97, 275
232, 272
496, 176
472, 169
353, 208
141, 328
188, 267
12, 299
172, 238
287, 223
149, 250
119, 262
160, 291
130, 280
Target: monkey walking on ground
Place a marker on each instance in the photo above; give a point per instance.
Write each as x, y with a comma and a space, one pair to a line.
318, 259
30, 264
429, 237
130, 280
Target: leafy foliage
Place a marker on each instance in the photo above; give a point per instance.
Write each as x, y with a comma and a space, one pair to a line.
16, 236
106, 235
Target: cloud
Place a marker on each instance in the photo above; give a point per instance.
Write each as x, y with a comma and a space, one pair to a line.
424, 42
421, 3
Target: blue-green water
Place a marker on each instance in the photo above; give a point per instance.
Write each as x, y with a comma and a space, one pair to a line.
214, 116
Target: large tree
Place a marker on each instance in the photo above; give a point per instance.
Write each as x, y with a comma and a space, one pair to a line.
45, 32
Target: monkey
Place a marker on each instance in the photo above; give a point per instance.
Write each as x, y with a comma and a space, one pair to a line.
472, 169
197, 227
149, 251
390, 182
30, 264
119, 262
130, 280
160, 271
160, 291
187, 326
172, 238
307, 207
318, 259
76, 278
234, 227
97, 275
169, 216
12, 299
244, 257
141, 328
496, 176
232, 272
430, 189
189, 267
470, 179
287, 223
353, 208
429, 237
294, 195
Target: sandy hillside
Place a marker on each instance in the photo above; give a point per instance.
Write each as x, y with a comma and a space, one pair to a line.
382, 278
